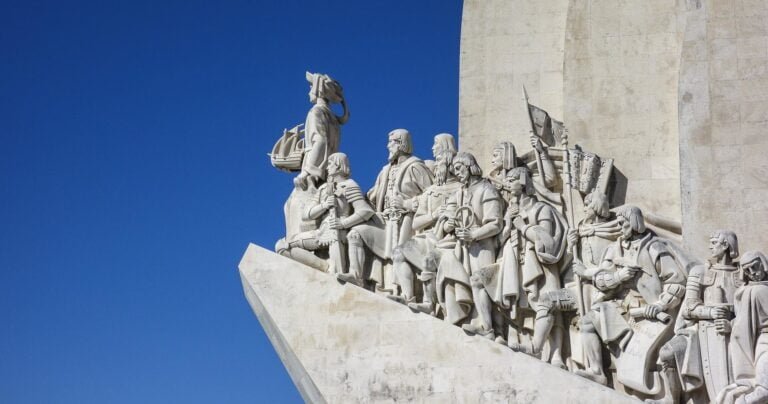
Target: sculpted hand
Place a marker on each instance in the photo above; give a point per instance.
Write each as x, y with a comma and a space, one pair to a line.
723, 326
626, 273
396, 201
300, 181
573, 238
651, 311
719, 313
464, 235
335, 224
579, 269
328, 202
536, 143
518, 222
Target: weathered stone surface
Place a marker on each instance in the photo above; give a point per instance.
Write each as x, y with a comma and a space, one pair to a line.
723, 113
675, 91
341, 343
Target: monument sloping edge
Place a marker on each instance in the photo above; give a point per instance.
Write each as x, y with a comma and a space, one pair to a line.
341, 343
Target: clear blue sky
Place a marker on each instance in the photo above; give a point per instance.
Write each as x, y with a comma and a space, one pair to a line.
133, 175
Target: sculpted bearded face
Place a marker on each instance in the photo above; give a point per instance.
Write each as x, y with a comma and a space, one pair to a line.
497, 159
394, 146
754, 270
462, 172
626, 228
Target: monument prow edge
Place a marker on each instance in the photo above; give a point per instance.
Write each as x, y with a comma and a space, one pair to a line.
341, 343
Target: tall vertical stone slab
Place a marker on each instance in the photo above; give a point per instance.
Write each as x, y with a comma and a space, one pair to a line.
620, 94
723, 118
343, 344
506, 44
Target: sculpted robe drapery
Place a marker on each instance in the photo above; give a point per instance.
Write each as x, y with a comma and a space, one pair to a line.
749, 336
454, 288
749, 347
530, 267
322, 134
409, 177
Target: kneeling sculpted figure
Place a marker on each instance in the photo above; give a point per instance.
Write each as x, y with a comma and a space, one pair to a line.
641, 286
339, 204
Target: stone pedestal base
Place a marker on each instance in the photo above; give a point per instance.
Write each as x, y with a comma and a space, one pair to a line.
341, 344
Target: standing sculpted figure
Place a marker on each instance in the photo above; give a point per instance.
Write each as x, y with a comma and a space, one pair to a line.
748, 347
339, 204
476, 210
504, 159
639, 279
698, 354
538, 234
322, 129
404, 177
417, 256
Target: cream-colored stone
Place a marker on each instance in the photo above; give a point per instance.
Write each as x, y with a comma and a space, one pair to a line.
341, 343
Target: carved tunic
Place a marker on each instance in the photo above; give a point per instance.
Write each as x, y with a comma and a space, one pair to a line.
659, 281
705, 356
322, 134
408, 176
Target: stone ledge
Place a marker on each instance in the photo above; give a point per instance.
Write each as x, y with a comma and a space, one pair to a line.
341, 343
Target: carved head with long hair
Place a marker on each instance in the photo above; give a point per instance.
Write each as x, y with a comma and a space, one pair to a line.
631, 221
465, 167
444, 149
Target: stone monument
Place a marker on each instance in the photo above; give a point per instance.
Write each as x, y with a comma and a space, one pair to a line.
547, 252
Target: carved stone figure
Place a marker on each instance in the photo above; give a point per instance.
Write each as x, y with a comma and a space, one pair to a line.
416, 256
322, 129
641, 285
698, 354
539, 234
339, 204
504, 159
748, 347
406, 176
476, 210
594, 232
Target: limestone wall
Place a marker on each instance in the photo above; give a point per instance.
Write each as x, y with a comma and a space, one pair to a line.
723, 117
506, 44
620, 94
673, 90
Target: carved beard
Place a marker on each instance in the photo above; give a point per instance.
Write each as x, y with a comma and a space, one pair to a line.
441, 171
393, 155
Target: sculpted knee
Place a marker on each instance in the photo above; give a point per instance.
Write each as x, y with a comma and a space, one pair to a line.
669, 350
354, 238
281, 247
586, 325
397, 256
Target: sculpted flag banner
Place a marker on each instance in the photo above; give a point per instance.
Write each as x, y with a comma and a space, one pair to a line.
550, 131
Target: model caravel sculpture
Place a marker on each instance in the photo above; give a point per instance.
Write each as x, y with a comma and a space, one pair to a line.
532, 256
